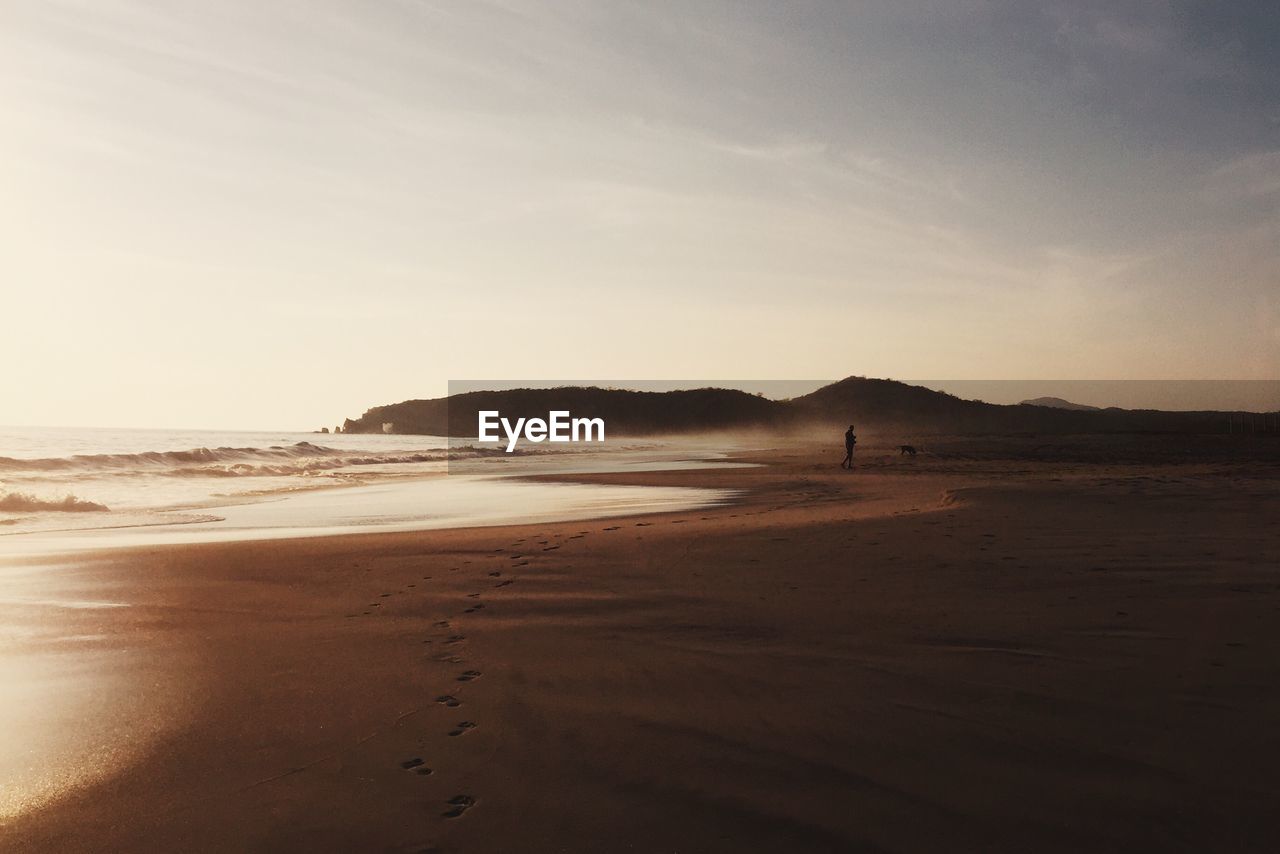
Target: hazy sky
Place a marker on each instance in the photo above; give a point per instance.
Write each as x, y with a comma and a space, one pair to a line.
277, 214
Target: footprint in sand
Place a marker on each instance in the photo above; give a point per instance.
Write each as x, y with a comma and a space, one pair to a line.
505, 583
415, 762
463, 726
496, 573
442, 624
614, 528
459, 804
473, 595
449, 700
473, 609
455, 639
469, 675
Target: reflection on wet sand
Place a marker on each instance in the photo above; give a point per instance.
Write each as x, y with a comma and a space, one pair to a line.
412, 504
77, 702
80, 667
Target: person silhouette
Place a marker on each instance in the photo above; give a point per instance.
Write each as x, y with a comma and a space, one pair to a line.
849, 441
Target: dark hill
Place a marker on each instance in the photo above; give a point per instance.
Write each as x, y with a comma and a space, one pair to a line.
880, 403
873, 401
1059, 403
887, 403
867, 403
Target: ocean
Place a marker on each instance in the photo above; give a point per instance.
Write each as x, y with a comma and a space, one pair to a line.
74, 488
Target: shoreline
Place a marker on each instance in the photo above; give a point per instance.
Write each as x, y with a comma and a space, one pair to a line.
407, 505
818, 667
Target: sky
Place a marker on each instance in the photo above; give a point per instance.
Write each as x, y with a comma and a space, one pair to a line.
277, 215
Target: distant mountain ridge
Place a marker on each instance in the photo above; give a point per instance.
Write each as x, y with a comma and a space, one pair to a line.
866, 402
1059, 403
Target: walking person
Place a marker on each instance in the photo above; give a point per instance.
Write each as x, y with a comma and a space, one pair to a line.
849, 441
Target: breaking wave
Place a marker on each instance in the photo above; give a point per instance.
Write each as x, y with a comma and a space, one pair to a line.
22, 502
218, 462
279, 460
160, 459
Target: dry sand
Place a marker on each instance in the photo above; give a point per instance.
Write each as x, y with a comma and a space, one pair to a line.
974, 650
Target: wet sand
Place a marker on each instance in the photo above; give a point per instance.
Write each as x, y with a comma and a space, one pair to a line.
967, 651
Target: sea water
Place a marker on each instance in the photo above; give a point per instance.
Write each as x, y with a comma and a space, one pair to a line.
76, 488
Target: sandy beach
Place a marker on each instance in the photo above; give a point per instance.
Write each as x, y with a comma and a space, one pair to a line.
986, 648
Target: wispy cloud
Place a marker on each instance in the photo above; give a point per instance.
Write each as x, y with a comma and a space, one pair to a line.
1101, 172
1248, 176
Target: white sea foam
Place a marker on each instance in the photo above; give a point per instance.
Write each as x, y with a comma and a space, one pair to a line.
135, 472
183, 486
